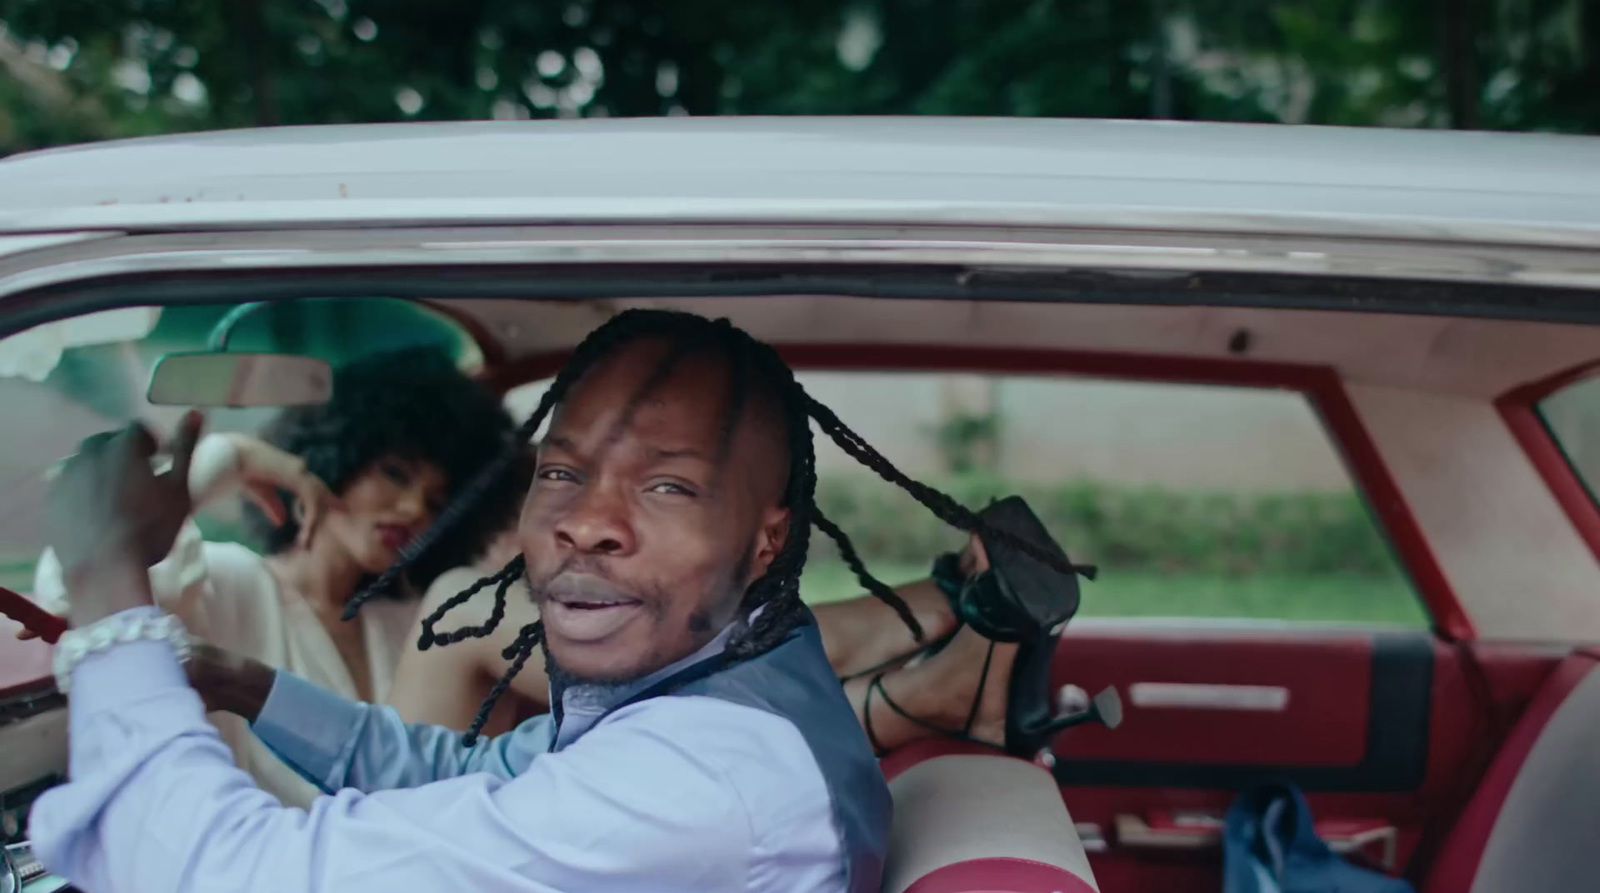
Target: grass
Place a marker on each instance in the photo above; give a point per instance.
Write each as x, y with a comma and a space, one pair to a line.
1296, 597
17, 576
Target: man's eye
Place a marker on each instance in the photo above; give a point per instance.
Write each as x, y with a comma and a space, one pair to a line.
557, 474
668, 488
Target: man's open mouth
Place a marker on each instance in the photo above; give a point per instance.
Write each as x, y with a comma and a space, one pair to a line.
584, 608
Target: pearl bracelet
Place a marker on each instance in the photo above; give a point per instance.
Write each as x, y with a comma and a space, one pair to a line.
103, 635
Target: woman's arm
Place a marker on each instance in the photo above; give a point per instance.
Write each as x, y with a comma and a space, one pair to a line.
225, 464
215, 469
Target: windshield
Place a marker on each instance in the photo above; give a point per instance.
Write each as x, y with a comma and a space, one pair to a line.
63, 381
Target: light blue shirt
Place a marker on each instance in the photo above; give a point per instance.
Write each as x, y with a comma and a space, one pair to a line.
669, 794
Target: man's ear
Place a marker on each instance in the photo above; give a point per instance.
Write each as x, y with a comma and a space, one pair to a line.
770, 537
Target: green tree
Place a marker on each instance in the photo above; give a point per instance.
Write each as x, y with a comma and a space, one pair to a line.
88, 69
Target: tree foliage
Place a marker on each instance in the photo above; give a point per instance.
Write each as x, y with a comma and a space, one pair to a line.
88, 69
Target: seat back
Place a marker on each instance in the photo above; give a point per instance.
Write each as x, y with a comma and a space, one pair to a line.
968, 823
1530, 825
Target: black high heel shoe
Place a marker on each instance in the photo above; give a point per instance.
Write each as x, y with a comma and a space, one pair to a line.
1021, 600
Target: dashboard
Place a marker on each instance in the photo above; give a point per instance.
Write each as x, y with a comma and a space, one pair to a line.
33, 732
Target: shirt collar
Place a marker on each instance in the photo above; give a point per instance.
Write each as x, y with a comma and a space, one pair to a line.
583, 705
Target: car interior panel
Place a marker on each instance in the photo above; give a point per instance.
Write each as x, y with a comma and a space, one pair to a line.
1381, 728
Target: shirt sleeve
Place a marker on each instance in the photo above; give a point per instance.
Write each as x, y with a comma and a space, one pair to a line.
155, 804
337, 743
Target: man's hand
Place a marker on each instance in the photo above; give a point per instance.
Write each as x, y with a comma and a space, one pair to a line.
109, 516
229, 682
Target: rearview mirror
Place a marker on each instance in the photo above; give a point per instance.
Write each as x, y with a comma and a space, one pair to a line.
239, 379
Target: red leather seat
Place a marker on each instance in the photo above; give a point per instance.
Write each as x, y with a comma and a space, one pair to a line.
971, 823
1530, 826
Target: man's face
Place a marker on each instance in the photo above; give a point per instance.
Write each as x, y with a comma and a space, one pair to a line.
648, 519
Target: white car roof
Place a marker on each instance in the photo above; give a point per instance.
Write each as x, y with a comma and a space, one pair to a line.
1433, 185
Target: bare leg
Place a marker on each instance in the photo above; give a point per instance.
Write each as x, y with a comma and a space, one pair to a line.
940, 691
863, 632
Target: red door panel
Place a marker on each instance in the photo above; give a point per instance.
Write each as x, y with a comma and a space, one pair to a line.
1381, 730
1323, 684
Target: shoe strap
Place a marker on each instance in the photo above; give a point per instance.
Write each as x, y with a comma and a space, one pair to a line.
977, 697
947, 575
964, 734
988, 606
866, 716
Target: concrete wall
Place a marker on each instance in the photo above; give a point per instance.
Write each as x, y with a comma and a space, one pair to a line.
1179, 436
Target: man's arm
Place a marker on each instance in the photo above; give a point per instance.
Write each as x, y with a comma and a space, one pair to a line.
347, 744
155, 803
336, 743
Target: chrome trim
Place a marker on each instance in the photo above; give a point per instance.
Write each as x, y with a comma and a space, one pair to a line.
22, 860
1208, 696
1386, 837
1243, 627
1091, 837
1001, 248
18, 244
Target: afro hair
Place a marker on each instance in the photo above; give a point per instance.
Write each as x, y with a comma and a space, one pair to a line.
414, 403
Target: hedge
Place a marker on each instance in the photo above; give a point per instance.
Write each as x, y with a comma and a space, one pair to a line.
1145, 528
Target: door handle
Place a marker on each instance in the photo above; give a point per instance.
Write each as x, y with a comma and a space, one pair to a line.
1134, 832
1209, 696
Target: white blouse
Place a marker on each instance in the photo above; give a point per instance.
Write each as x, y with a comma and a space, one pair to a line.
225, 594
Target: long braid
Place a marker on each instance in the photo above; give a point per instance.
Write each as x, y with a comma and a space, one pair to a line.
517, 652
777, 591
502, 580
847, 551
943, 506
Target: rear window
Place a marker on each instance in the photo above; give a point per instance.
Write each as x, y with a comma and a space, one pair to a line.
1572, 416
1195, 501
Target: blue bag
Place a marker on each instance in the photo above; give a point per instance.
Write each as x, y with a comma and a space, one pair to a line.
1270, 846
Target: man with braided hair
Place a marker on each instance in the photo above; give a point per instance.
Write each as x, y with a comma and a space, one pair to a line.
863, 638
698, 739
